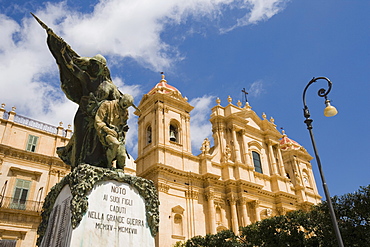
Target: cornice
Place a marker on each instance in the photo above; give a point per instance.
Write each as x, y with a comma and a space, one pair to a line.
248, 184
170, 99
15, 215
19, 154
286, 195
159, 167
172, 150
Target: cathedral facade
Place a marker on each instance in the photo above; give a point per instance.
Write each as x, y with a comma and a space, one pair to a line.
251, 172
247, 172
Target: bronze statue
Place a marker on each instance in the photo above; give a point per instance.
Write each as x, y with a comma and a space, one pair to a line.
111, 125
98, 138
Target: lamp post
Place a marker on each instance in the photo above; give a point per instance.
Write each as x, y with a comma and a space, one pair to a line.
328, 112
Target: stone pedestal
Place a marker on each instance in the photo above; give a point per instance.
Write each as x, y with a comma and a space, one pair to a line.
98, 207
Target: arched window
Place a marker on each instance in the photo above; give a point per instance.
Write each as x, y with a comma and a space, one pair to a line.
257, 162
178, 222
149, 135
174, 132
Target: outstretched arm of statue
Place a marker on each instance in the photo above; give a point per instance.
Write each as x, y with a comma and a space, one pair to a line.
68, 61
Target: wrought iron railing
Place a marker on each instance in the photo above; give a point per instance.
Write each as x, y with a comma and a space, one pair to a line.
19, 204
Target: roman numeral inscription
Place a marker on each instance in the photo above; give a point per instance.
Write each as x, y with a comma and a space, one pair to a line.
115, 214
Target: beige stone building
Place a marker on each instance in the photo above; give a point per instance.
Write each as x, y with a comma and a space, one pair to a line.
29, 167
251, 172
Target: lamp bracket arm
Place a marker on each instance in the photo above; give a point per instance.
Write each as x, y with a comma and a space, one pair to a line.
321, 93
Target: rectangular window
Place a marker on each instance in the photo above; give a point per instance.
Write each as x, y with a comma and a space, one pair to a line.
32, 142
257, 162
21, 190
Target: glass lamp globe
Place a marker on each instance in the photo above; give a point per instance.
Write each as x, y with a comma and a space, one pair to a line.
329, 110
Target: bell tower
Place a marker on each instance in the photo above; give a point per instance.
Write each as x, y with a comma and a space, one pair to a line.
163, 129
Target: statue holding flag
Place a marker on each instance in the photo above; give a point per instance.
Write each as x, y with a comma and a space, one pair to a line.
87, 82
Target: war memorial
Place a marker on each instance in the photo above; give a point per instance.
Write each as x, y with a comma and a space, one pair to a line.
97, 194
96, 204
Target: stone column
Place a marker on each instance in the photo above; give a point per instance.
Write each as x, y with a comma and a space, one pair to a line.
243, 204
187, 137
221, 130
191, 195
256, 205
211, 212
247, 158
280, 157
272, 159
234, 215
223, 215
236, 146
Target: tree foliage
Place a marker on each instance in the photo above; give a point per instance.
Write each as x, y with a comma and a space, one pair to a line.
301, 228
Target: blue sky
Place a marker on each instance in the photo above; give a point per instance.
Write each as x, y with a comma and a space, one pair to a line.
209, 49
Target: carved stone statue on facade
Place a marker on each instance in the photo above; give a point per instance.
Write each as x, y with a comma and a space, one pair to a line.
227, 153
87, 82
205, 146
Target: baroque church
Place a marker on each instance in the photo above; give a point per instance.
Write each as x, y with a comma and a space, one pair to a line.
250, 173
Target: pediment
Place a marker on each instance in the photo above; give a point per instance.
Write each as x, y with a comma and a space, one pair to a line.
249, 118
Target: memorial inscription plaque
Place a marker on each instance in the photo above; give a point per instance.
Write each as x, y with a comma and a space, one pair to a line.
116, 214
105, 208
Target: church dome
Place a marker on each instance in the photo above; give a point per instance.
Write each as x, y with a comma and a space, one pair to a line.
163, 87
288, 144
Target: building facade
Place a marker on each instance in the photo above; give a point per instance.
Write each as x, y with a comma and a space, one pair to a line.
29, 167
251, 172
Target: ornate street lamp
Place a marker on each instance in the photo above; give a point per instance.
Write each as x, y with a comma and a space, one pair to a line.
328, 112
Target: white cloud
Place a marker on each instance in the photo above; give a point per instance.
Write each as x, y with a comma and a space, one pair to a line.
200, 126
115, 28
260, 10
256, 89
